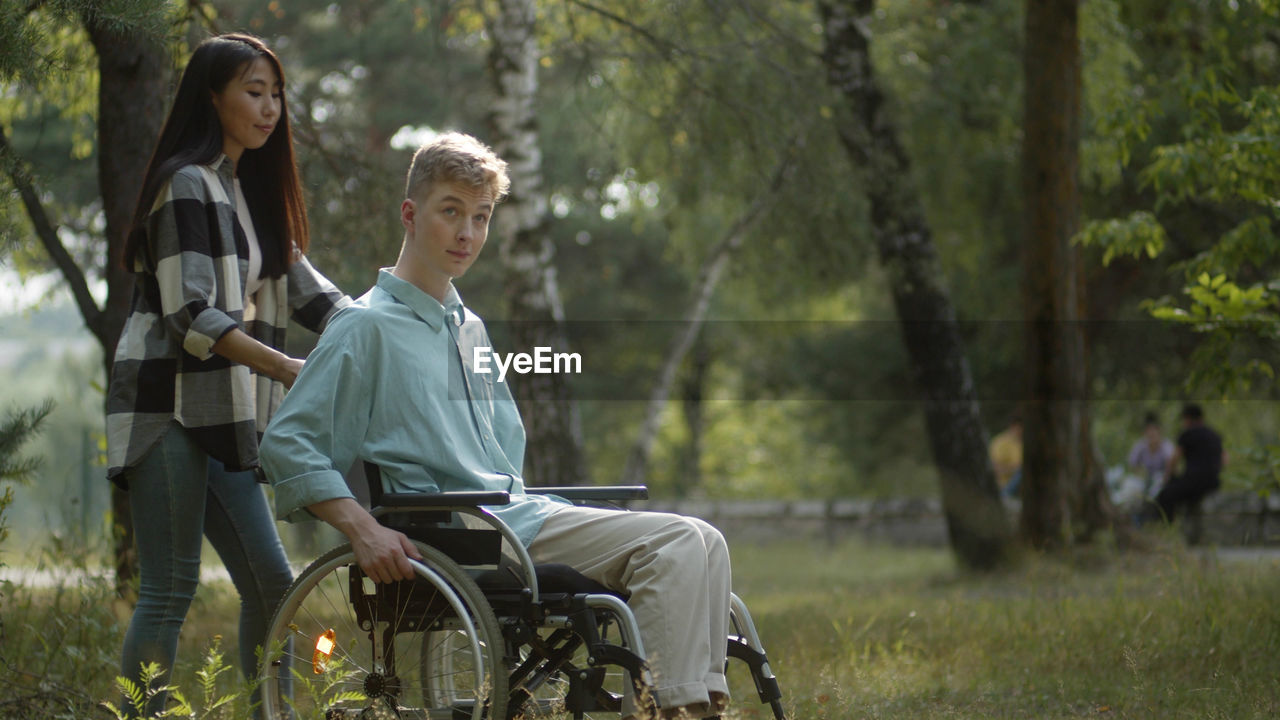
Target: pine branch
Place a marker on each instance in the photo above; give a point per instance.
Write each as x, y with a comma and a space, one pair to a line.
18, 428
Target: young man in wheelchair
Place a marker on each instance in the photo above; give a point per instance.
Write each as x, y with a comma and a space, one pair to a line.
391, 383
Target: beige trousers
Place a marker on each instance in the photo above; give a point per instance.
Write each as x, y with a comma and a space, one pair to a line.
676, 570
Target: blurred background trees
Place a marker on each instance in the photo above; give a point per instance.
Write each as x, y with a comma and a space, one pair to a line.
660, 127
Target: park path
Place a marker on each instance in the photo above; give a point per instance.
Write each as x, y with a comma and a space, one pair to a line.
1242, 554
215, 572
62, 577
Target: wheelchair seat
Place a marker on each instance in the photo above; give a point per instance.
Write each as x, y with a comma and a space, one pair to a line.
553, 579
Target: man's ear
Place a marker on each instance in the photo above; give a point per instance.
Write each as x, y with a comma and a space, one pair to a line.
408, 212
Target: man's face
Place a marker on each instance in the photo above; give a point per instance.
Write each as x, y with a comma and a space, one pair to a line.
447, 228
1153, 435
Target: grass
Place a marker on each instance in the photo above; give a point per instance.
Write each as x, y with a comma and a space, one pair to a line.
60, 645
853, 631
878, 633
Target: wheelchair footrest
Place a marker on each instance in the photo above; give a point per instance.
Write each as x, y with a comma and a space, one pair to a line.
586, 692
766, 683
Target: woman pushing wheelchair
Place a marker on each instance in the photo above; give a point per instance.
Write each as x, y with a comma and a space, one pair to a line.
218, 250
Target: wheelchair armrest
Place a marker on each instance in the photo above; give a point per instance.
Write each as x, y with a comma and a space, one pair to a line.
399, 501
600, 493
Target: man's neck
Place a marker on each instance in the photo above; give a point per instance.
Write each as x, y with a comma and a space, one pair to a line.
429, 283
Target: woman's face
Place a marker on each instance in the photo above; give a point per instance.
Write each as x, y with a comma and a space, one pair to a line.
249, 108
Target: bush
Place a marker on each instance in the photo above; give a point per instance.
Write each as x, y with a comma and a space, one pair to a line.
20, 426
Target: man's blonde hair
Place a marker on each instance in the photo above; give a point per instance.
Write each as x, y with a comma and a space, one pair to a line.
456, 157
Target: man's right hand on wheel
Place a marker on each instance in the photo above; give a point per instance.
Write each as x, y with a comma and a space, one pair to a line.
383, 553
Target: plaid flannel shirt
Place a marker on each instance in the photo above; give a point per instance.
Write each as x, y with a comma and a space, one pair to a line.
188, 294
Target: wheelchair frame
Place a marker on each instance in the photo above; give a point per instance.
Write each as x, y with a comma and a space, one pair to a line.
491, 640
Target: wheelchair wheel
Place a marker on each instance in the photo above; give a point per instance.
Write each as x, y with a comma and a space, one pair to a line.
341, 646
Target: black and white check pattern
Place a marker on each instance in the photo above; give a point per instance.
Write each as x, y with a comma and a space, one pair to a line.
188, 294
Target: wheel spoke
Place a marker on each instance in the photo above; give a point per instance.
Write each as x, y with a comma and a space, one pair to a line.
327, 597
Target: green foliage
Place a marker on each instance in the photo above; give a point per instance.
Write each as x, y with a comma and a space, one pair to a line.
212, 704
325, 689
61, 641
1233, 321
44, 359
677, 104
62, 629
360, 78
1222, 167
35, 48
1202, 158
1265, 477
17, 429
1110, 61
656, 136
48, 113
1216, 300
138, 694
1139, 235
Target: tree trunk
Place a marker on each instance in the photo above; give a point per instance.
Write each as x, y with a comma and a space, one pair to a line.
693, 390
133, 90
976, 522
554, 455
1064, 493
704, 288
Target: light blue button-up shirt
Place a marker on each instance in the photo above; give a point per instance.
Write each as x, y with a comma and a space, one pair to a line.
391, 382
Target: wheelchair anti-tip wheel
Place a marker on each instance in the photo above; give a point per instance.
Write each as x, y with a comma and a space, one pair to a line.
341, 646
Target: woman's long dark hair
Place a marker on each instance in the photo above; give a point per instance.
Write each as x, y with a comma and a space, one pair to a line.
192, 135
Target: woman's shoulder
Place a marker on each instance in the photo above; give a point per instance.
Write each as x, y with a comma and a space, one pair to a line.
192, 181
210, 181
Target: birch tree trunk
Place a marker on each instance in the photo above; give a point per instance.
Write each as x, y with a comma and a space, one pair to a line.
976, 523
704, 288
554, 455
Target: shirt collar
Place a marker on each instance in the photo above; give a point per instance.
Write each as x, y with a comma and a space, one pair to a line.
423, 305
223, 166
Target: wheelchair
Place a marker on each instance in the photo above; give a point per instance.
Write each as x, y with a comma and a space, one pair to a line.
480, 632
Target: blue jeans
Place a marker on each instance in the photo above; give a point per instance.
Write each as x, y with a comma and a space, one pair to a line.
177, 494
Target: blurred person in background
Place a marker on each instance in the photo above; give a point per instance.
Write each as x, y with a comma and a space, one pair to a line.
1006, 457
